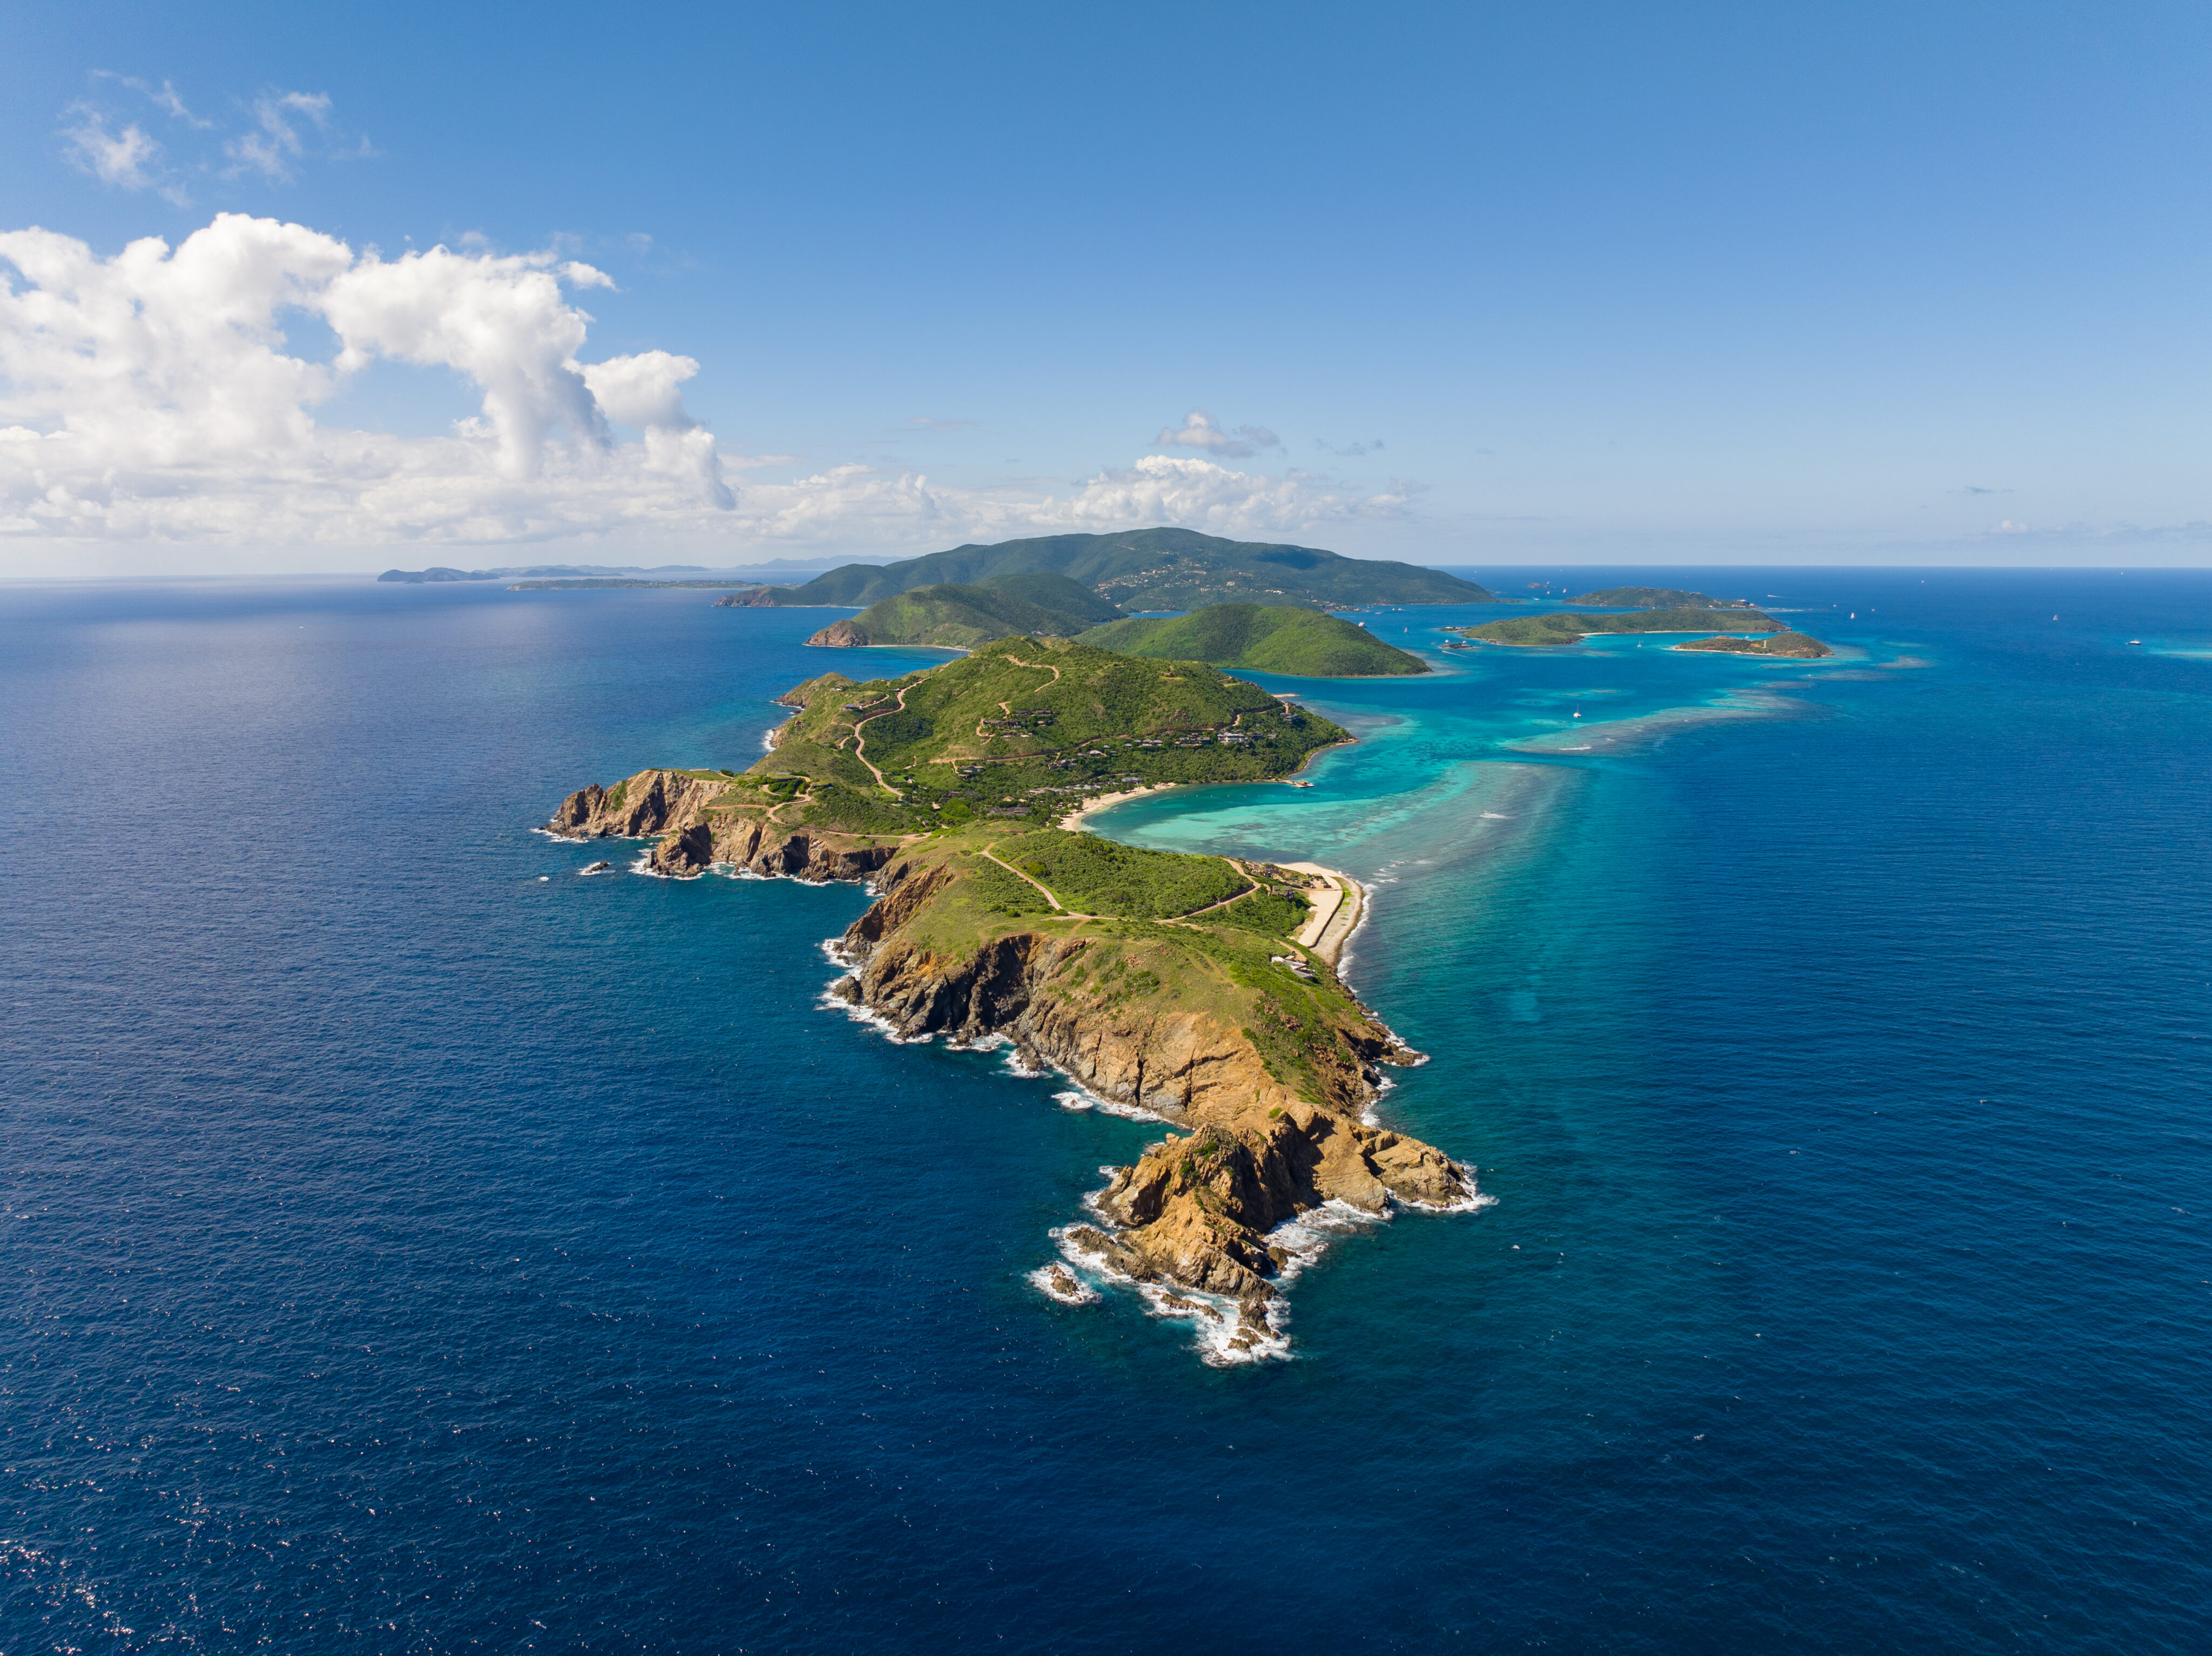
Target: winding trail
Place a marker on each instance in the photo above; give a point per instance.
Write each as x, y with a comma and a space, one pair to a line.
860, 744
992, 851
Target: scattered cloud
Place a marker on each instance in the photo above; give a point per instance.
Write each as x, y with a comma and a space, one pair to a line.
164, 97
924, 422
103, 135
1350, 450
153, 396
129, 160
1972, 488
272, 150
1200, 431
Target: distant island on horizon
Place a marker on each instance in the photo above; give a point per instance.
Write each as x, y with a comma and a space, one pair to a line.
1147, 569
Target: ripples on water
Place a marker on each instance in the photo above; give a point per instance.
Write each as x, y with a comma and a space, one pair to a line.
412, 1253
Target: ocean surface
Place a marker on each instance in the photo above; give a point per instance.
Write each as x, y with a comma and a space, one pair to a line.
413, 1246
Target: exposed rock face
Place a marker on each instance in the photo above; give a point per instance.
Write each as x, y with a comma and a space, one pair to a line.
1195, 1210
840, 635
675, 806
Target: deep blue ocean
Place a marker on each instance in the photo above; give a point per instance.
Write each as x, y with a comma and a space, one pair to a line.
412, 1247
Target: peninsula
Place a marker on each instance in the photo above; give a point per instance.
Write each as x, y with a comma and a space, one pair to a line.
1201, 989
1148, 569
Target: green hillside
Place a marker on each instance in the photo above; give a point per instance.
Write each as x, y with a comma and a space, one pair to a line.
1796, 646
1151, 569
1658, 597
1023, 727
957, 617
1265, 638
1562, 628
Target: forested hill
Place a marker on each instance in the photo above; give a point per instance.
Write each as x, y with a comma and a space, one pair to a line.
1149, 569
958, 617
1263, 638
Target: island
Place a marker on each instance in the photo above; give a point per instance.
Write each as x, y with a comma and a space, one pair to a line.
1658, 597
1264, 637
1200, 989
1560, 627
1146, 570
954, 617
1797, 646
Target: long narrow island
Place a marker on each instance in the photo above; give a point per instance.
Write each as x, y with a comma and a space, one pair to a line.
1201, 989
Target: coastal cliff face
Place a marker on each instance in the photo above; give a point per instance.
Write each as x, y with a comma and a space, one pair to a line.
1196, 1210
839, 635
675, 805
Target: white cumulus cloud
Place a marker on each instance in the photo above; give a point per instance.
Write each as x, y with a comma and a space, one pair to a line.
155, 396
1200, 430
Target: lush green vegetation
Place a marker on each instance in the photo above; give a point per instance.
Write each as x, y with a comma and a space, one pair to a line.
1026, 729
1562, 628
1658, 597
956, 617
1797, 646
1265, 638
1092, 876
1272, 910
1149, 569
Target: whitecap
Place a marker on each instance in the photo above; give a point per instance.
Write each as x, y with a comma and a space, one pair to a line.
1048, 1280
1081, 1098
1224, 1332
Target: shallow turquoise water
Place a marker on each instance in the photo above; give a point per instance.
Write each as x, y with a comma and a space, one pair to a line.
419, 1248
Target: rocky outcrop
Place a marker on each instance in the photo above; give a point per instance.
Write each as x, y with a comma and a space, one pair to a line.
650, 803
694, 837
840, 635
1194, 1210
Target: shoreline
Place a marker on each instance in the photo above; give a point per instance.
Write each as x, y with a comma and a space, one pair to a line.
1073, 821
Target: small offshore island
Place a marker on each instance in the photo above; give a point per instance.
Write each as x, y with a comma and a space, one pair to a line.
1200, 989
1659, 610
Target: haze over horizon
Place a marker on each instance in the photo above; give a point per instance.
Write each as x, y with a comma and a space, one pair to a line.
339, 290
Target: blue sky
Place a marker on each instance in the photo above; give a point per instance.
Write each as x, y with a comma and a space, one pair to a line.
1458, 284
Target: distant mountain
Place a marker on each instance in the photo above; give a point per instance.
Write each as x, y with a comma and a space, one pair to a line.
1264, 637
1658, 597
1149, 569
953, 616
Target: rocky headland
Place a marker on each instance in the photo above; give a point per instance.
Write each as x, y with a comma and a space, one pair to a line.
1198, 989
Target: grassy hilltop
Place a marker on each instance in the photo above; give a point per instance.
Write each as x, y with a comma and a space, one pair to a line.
1265, 638
1022, 725
1149, 569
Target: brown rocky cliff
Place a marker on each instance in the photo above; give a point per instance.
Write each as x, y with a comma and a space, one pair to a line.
840, 635
676, 807
1193, 1210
